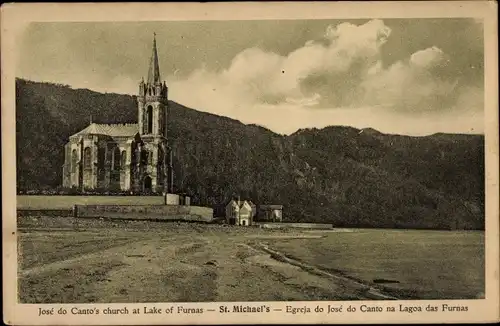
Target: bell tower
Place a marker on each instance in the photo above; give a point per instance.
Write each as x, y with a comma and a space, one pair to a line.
153, 100
154, 164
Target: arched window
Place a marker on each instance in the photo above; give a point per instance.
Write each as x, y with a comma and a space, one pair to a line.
87, 155
134, 153
116, 158
147, 184
74, 160
101, 163
161, 164
124, 158
101, 157
160, 124
161, 156
145, 156
150, 157
149, 117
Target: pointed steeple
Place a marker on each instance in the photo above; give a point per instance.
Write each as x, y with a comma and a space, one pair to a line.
154, 67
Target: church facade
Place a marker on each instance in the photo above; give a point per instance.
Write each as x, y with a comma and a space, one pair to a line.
125, 157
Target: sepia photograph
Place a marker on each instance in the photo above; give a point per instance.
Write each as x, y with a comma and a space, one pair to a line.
251, 160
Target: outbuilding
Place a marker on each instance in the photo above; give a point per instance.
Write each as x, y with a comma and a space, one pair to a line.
271, 213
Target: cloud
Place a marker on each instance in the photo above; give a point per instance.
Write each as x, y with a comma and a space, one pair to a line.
324, 69
338, 78
413, 86
429, 57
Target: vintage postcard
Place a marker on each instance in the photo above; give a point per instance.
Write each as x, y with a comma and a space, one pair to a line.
250, 163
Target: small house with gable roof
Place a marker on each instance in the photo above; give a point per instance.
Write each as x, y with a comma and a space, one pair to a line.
239, 212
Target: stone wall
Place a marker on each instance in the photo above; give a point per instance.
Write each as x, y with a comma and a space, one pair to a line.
172, 199
146, 212
67, 202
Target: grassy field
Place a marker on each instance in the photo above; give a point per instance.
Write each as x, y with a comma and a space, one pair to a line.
70, 260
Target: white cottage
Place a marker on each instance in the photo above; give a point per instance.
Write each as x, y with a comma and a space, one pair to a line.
232, 210
239, 213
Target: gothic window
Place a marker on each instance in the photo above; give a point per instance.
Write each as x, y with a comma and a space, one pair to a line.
149, 118
101, 163
124, 158
116, 158
74, 160
147, 183
161, 164
161, 156
144, 121
134, 153
145, 157
87, 155
150, 158
101, 157
160, 127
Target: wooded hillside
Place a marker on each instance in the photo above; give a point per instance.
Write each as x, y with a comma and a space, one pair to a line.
339, 175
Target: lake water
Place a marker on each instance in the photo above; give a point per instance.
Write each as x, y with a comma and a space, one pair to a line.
409, 264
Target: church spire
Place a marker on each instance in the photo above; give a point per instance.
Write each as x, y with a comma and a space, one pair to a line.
154, 67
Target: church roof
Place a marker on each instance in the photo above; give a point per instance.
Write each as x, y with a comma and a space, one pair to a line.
113, 130
154, 67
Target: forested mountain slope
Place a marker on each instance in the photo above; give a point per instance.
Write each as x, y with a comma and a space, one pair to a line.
340, 175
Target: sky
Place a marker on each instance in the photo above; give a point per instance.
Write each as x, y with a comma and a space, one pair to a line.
402, 76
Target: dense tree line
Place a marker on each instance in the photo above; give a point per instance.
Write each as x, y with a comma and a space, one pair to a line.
339, 175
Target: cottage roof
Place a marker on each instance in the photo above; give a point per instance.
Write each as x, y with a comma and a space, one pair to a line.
232, 203
113, 130
245, 203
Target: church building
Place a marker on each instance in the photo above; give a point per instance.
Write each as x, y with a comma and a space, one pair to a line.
125, 157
